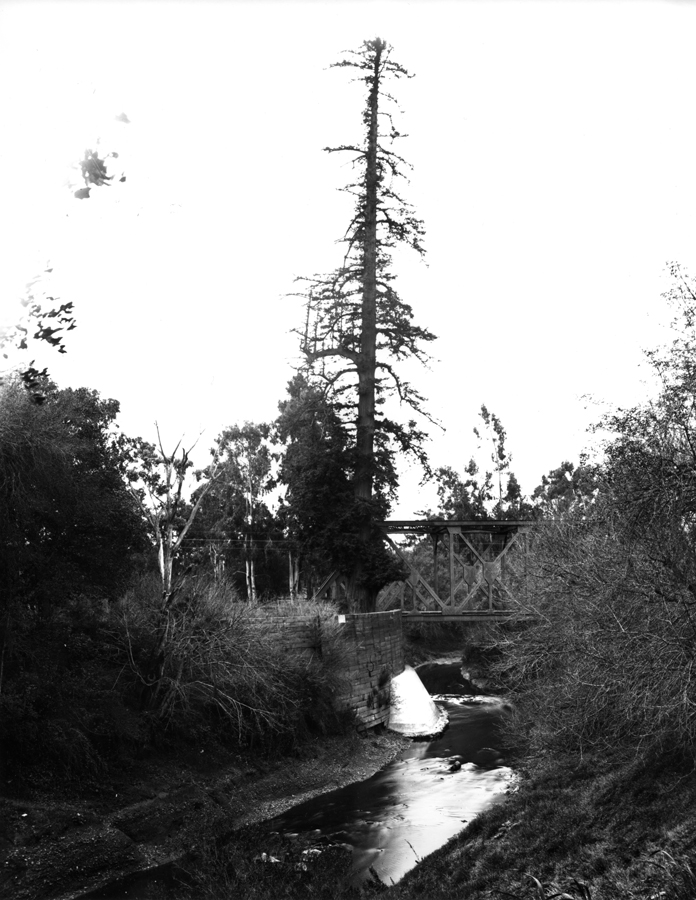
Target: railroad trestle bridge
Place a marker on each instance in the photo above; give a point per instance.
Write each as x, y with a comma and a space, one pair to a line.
472, 571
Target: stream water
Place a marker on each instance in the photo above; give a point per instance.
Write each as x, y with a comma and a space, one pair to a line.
409, 808
417, 802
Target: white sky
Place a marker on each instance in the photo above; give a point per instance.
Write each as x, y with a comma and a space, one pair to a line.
553, 153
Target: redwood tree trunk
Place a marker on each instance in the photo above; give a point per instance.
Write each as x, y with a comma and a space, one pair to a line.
359, 596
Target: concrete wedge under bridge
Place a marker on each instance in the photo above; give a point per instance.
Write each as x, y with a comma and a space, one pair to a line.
459, 571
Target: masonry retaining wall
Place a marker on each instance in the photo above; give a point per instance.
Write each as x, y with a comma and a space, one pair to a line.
293, 632
374, 654
370, 645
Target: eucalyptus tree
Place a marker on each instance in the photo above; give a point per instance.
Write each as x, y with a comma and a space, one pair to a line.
357, 328
235, 523
489, 493
158, 483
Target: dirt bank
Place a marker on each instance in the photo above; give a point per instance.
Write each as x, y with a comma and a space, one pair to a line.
65, 845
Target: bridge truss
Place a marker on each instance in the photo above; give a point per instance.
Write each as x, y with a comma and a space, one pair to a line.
465, 571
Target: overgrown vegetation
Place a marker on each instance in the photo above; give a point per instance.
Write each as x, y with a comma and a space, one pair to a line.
608, 661
78, 694
602, 674
223, 668
258, 866
113, 641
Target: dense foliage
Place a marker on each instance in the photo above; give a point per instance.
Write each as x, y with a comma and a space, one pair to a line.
607, 660
329, 528
103, 653
68, 522
132, 608
71, 537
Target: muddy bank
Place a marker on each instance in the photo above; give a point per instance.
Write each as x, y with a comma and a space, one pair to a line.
60, 849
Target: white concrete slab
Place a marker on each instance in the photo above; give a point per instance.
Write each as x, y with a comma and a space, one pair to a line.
412, 710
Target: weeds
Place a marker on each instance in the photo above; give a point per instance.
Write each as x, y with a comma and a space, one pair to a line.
77, 695
224, 660
608, 659
679, 874
255, 865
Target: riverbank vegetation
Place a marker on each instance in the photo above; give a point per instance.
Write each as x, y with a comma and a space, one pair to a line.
77, 701
128, 579
601, 676
583, 828
603, 827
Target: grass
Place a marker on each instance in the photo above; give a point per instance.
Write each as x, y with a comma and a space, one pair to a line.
259, 866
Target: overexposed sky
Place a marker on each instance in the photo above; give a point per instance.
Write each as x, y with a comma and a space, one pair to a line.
553, 153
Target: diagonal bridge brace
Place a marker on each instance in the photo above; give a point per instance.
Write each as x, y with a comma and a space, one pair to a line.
491, 571
418, 582
484, 572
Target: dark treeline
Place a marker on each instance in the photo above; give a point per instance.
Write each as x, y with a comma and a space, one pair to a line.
600, 676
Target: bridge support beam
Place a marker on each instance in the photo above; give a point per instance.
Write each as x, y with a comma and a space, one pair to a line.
486, 565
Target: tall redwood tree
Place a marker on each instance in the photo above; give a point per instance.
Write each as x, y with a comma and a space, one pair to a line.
357, 327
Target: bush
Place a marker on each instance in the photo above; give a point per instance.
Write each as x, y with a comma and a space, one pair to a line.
256, 865
607, 660
76, 694
220, 666
59, 711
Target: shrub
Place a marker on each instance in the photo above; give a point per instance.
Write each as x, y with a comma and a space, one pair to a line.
221, 666
256, 865
59, 712
608, 659
76, 695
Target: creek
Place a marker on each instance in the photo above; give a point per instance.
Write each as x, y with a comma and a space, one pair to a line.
408, 809
416, 803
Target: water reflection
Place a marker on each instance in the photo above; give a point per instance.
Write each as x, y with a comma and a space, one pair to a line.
420, 800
